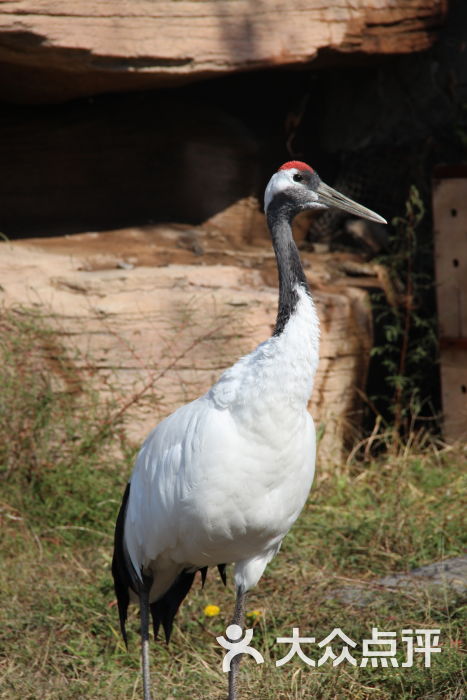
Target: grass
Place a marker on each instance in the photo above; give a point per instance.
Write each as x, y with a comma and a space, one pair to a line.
61, 488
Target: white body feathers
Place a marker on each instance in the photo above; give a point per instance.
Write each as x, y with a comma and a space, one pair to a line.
223, 478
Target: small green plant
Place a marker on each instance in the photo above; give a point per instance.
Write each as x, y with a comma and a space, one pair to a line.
406, 349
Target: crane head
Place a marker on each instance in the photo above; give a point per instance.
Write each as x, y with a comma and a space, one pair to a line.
301, 187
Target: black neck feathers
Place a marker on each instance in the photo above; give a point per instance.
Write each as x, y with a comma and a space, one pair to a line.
280, 215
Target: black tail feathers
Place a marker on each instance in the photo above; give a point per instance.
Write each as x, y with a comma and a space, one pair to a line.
222, 573
122, 578
163, 611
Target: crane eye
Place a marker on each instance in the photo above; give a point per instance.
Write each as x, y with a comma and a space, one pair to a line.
297, 177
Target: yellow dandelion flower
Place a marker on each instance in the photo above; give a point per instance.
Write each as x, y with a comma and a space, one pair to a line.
211, 610
254, 614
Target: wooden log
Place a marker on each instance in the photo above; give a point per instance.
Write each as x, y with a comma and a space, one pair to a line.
51, 50
450, 220
173, 327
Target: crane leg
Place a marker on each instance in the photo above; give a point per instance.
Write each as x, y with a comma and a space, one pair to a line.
144, 609
235, 663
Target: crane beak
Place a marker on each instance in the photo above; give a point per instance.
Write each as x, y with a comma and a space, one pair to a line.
332, 198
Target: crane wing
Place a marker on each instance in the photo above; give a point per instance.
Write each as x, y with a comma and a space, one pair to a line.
164, 473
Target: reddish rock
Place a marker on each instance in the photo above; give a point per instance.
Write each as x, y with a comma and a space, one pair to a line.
143, 315
54, 50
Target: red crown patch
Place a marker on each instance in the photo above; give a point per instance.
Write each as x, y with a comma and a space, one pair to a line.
298, 164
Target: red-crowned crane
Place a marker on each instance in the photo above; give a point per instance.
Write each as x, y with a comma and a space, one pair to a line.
223, 479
